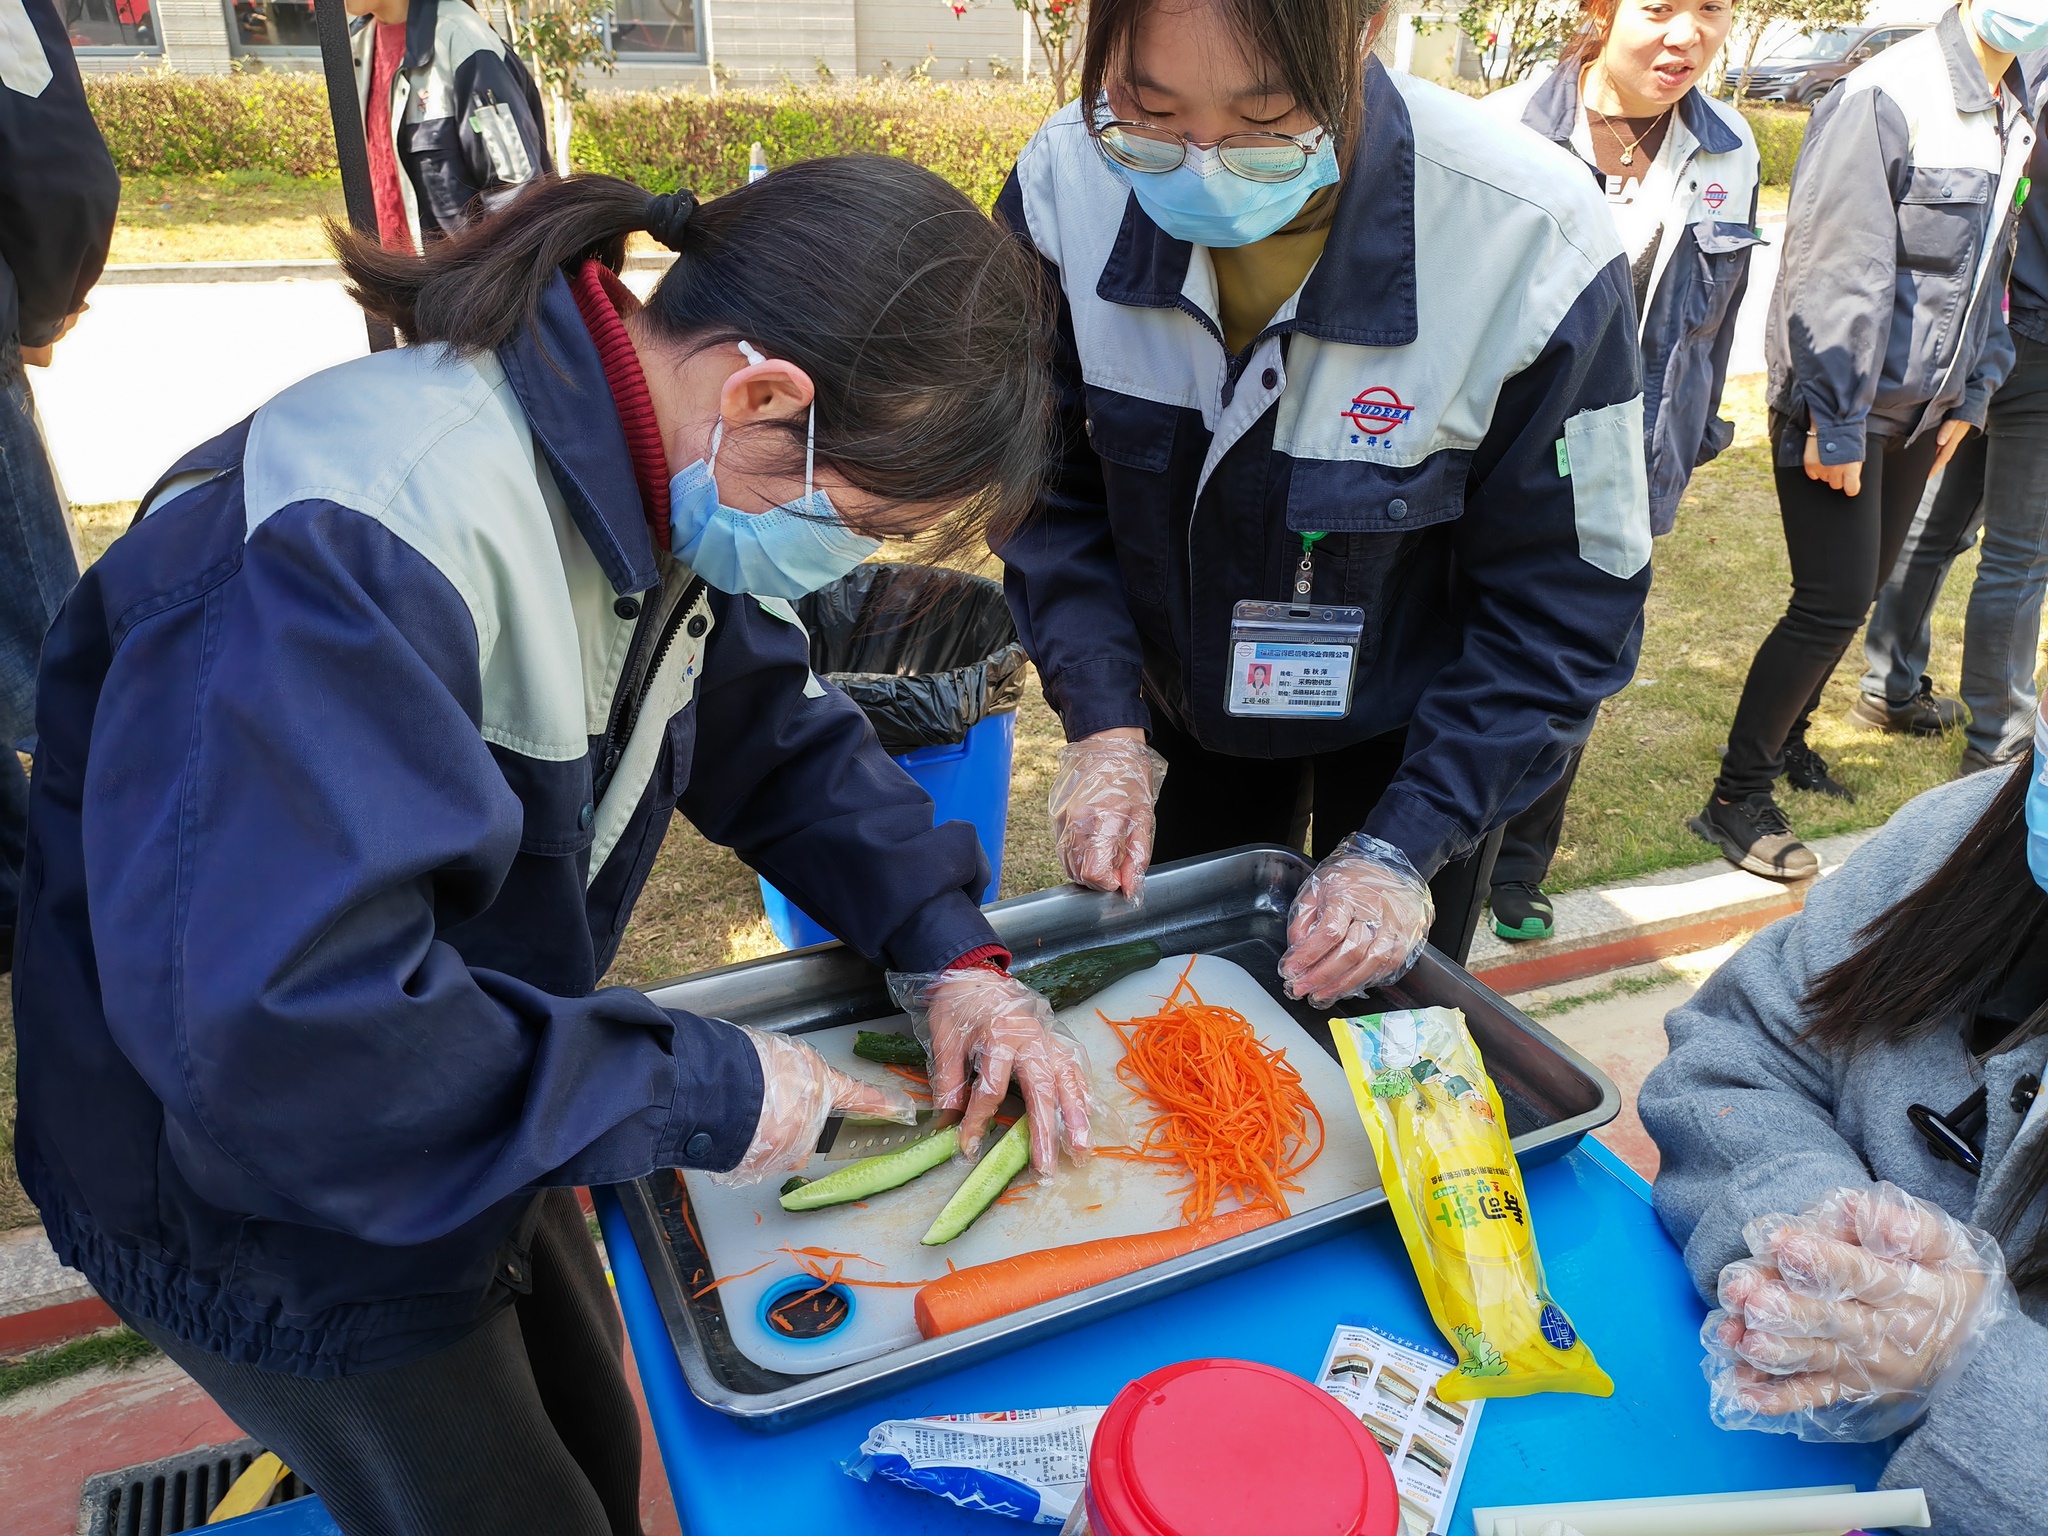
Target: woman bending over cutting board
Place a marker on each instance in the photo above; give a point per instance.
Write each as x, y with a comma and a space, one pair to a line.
1896, 1030
1350, 516
357, 749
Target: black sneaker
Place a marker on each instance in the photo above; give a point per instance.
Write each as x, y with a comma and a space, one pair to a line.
1521, 912
1921, 715
1753, 834
1806, 769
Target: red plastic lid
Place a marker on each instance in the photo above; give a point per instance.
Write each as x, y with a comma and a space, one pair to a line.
1230, 1448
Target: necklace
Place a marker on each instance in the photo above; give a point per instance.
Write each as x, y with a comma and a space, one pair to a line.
1628, 149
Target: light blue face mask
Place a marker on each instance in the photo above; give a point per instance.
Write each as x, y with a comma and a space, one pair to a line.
2037, 807
787, 551
1205, 203
2011, 26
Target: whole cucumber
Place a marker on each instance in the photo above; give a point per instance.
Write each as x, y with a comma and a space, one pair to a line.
894, 1050
1075, 978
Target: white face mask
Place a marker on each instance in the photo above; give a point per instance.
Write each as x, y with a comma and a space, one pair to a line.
789, 550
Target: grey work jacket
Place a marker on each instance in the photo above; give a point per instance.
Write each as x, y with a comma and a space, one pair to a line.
1752, 1119
1888, 317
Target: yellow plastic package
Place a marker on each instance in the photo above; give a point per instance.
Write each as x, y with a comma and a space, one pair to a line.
1440, 1137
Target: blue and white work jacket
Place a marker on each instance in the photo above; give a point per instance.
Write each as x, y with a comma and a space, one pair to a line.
355, 754
1698, 273
1453, 396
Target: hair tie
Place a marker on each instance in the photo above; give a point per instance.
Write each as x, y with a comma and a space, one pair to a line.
668, 215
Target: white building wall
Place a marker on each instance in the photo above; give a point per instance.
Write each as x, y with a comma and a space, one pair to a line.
895, 36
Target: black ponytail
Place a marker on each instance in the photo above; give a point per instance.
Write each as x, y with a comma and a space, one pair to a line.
920, 321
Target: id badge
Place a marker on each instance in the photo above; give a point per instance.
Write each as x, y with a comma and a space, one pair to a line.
1292, 663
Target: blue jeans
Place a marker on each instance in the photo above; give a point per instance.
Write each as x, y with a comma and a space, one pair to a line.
1997, 482
37, 568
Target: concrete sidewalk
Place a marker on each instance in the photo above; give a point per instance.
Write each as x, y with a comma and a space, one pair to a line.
1675, 912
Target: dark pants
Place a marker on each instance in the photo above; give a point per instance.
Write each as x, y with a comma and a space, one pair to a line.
525, 1425
1997, 482
1211, 801
37, 568
1529, 842
1842, 550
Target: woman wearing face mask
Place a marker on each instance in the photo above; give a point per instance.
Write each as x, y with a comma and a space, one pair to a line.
1896, 1030
1886, 341
357, 749
1350, 392
1680, 174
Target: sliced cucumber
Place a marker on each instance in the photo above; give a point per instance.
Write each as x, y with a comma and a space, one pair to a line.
895, 1050
1074, 978
872, 1175
991, 1176
793, 1185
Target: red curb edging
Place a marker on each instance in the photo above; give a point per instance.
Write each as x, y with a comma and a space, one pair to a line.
1577, 964
45, 1326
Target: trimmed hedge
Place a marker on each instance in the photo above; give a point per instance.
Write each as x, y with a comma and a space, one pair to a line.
161, 124
1779, 133
969, 133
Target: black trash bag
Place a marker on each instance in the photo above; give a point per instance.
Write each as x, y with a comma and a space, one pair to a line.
927, 653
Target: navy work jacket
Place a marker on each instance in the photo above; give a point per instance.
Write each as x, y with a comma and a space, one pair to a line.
355, 753
1453, 397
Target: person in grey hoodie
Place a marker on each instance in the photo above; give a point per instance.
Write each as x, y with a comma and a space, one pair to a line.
1885, 343
1916, 976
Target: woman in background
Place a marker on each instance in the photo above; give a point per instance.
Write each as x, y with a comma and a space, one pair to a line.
1679, 170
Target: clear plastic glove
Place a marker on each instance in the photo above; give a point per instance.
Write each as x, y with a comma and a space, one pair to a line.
1102, 799
979, 1019
1358, 921
1848, 1318
800, 1091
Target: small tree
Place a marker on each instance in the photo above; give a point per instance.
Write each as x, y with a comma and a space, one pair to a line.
1514, 36
1777, 18
559, 39
1057, 27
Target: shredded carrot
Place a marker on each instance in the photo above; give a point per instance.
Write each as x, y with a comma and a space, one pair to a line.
728, 1279
922, 1079
807, 1259
1011, 1197
1229, 1110
757, 1218
690, 1226
1091, 1208
858, 1205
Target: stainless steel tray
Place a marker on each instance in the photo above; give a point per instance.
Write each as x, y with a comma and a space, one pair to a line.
1231, 904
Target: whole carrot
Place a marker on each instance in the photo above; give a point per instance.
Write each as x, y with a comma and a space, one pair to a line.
976, 1294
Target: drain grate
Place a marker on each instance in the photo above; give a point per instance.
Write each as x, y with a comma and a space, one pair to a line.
158, 1498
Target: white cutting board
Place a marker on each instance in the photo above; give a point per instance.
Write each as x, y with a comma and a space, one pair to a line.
1104, 1197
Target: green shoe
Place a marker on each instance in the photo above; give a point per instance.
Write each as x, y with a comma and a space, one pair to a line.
1521, 912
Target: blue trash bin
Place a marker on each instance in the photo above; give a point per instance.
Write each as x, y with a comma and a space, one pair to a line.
967, 782
932, 658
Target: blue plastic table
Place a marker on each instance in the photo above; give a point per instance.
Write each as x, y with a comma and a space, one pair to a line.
1609, 1262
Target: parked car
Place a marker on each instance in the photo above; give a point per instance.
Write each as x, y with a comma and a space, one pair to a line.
1815, 63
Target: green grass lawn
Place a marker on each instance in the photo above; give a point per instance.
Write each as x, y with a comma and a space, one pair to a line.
1721, 582
232, 216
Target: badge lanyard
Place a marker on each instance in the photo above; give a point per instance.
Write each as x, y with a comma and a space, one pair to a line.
1293, 660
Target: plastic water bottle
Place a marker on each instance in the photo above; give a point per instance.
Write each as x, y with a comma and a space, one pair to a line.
757, 163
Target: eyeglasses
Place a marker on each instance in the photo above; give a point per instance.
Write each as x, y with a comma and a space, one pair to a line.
1265, 157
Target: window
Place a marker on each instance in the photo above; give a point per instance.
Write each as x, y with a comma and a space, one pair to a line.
655, 27
273, 24
123, 24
